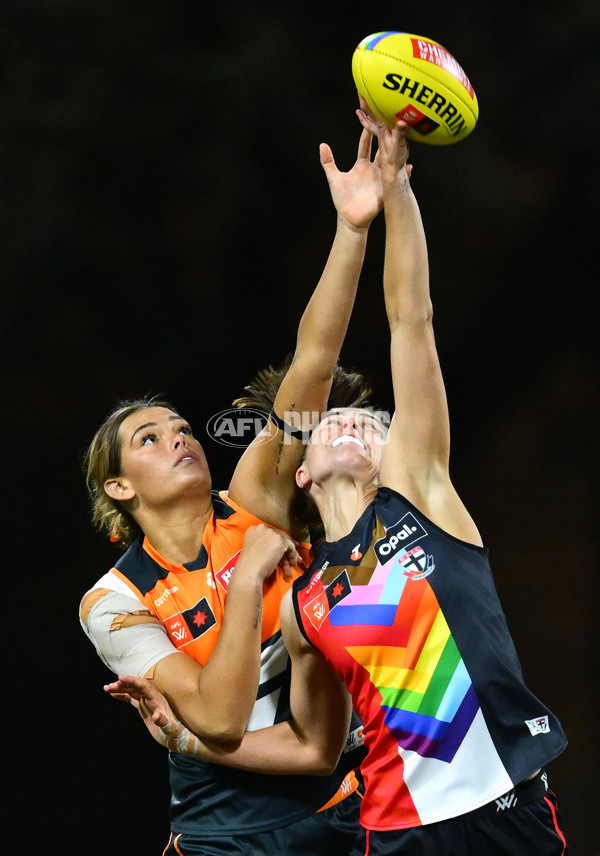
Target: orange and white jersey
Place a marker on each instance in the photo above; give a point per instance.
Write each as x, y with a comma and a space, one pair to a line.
190, 598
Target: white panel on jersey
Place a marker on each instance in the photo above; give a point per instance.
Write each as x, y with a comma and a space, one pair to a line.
435, 784
114, 583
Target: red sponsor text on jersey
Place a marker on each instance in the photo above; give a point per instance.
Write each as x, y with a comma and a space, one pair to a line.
224, 575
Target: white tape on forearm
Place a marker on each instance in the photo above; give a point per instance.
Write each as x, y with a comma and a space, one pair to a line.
177, 738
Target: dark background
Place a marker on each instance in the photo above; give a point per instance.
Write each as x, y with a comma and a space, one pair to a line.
164, 220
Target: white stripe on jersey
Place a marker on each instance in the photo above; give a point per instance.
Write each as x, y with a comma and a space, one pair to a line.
274, 662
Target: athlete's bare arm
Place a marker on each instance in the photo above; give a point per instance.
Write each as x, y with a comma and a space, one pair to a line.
311, 743
215, 700
263, 482
416, 457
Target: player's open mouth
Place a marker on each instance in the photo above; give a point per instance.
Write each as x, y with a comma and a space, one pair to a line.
348, 438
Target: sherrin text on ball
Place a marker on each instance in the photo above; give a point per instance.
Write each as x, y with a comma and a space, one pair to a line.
413, 78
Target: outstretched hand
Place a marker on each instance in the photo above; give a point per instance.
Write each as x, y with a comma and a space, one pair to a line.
356, 194
142, 694
392, 145
157, 715
155, 711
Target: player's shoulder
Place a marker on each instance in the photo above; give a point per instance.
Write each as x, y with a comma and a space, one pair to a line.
227, 510
107, 584
89, 600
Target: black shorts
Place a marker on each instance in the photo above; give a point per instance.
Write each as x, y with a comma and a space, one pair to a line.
523, 822
330, 832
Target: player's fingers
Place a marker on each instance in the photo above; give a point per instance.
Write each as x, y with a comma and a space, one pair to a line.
134, 687
288, 560
327, 159
118, 688
122, 697
365, 144
143, 709
400, 133
292, 555
160, 718
366, 121
365, 108
286, 569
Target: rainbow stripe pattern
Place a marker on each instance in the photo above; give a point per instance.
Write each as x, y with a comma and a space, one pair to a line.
371, 41
426, 693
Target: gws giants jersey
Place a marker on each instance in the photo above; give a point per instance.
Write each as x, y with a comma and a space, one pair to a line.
190, 600
409, 618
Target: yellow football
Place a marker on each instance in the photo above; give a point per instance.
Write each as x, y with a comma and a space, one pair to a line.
409, 77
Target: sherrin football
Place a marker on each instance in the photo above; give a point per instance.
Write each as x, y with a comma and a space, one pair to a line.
403, 76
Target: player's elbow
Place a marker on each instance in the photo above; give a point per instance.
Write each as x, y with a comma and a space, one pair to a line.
321, 761
224, 732
314, 364
233, 734
416, 319
215, 724
324, 770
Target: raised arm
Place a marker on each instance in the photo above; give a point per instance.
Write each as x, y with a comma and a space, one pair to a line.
263, 482
416, 458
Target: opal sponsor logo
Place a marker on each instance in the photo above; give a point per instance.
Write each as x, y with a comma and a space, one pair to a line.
399, 536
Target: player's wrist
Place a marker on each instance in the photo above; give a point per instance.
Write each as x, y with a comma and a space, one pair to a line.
247, 576
394, 181
347, 227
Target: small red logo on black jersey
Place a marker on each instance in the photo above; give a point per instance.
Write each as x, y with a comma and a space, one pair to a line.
199, 618
337, 590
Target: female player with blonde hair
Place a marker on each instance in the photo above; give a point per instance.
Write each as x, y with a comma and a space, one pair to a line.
399, 607
193, 603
